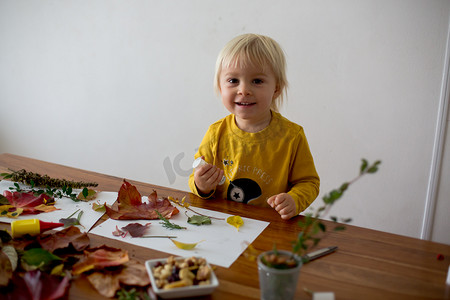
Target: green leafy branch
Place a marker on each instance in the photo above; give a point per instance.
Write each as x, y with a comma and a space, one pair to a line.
36, 179
311, 225
51, 187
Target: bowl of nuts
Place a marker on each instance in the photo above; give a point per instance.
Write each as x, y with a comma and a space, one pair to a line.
181, 277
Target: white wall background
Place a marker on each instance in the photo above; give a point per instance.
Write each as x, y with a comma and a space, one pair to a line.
125, 88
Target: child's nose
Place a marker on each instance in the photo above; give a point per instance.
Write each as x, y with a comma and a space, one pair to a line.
244, 89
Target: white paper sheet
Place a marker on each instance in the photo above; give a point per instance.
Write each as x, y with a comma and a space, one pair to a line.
220, 243
66, 207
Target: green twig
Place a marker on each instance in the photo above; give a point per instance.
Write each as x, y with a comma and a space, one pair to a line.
167, 224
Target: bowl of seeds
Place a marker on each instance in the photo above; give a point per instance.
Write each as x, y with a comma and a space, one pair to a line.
179, 277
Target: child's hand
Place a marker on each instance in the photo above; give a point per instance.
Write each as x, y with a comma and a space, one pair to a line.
284, 204
207, 177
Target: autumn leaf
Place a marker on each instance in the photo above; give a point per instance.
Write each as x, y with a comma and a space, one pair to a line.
119, 232
26, 203
99, 207
107, 283
134, 273
99, 258
39, 285
250, 252
185, 246
58, 270
5, 237
10, 211
199, 220
6, 269
71, 236
69, 221
235, 221
3, 200
129, 205
136, 229
87, 195
11, 253
38, 258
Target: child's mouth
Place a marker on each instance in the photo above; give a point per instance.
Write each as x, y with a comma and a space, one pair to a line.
244, 103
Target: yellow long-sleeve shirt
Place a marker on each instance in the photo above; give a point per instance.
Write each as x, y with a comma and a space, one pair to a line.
260, 165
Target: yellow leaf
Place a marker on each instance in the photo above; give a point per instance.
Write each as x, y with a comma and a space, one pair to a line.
14, 213
235, 221
58, 270
45, 208
184, 203
250, 252
185, 246
99, 207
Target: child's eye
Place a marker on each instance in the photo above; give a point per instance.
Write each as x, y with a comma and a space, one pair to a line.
233, 80
257, 81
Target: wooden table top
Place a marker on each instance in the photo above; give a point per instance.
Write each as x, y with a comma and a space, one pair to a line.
369, 264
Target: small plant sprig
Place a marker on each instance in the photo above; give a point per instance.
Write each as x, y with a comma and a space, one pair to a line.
312, 224
167, 224
132, 294
39, 184
69, 221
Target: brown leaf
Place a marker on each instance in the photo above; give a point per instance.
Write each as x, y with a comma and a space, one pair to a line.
6, 271
99, 258
64, 238
134, 273
105, 283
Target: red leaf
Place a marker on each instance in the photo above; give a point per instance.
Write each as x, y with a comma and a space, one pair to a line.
136, 229
28, 201
129, 205
36, 285
129, 195
48, 287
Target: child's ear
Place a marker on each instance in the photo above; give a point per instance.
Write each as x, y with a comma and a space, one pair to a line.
277, 92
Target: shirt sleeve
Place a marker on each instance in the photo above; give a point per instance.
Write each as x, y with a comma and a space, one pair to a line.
206, 150
304, 182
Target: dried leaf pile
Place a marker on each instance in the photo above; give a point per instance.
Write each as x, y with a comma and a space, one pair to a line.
42, 267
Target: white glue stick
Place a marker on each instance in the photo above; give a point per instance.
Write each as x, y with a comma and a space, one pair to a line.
200, 162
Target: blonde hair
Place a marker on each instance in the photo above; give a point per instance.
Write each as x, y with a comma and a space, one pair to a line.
257, 50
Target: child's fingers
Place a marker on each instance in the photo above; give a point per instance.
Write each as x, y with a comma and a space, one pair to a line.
283, 204
210, 177
202, 170
270, 201
287, 211
219, 175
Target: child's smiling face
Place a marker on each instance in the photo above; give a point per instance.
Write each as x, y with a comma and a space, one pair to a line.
248, 92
